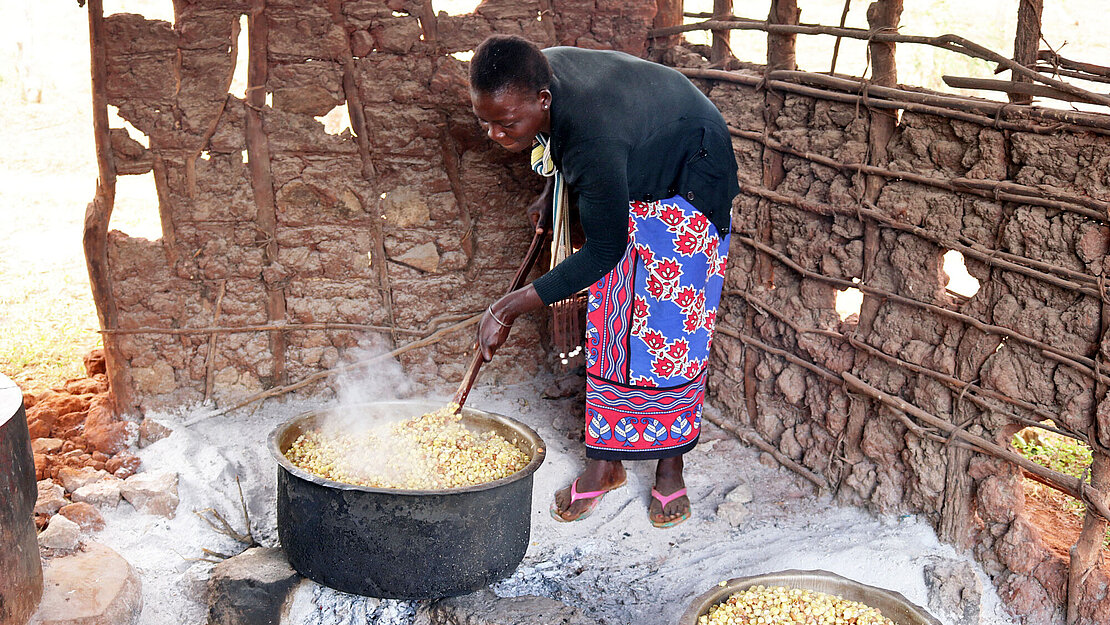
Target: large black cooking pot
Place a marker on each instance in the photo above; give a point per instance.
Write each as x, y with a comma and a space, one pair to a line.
405, 544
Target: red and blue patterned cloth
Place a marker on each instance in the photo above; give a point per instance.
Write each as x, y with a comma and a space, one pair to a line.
649, 327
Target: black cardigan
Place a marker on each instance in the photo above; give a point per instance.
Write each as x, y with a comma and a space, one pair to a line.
624, 129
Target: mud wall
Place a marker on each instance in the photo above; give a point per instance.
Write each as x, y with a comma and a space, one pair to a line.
788, 335
353, 242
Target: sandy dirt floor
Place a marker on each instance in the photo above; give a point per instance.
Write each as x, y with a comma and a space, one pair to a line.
614, 565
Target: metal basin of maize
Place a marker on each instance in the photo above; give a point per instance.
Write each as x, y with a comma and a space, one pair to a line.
432, 451
759, 605
802, 598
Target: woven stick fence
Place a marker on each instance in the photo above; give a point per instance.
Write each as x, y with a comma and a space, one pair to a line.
1033, 74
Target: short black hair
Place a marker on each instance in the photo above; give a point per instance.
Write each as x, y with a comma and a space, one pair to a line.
509, 62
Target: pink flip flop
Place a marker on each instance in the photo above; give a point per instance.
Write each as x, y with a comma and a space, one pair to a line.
595, 497
663, 501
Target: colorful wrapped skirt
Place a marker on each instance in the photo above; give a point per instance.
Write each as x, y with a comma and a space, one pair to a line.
649, 328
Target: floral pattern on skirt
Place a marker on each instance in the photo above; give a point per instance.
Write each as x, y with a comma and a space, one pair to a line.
649, 328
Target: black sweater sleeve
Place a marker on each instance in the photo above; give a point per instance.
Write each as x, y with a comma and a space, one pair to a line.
597, 170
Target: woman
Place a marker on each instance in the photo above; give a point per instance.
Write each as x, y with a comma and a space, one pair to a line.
648, 160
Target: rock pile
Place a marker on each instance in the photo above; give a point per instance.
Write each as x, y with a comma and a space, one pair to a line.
82, 457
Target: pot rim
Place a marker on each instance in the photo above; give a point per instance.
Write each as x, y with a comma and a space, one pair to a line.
807, 579
539, 452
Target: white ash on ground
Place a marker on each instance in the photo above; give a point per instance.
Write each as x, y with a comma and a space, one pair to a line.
614, 566
313, 604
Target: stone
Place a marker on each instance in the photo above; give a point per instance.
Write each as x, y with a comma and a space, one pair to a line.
792, 384
83, 386
150, 431
39, 427
111, 438
741, 494
94, 362
84, 514
424, 257
406, 207
123, 460
1092, 244
954, 589
94, 586
51, 497
46, 445
42, 463
250, 588
105, 493
361, 43
60, 404
734, 512
485, 608
152, 493
998, 498
100, 412
1021, 548
194, 581
60, 534
73, 479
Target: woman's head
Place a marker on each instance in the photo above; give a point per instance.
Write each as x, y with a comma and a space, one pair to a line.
509, 90
509, 62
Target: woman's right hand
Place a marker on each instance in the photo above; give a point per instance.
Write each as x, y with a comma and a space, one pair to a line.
539, 211
493, 331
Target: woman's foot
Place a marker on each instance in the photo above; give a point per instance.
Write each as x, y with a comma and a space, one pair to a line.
669, 504
600, 476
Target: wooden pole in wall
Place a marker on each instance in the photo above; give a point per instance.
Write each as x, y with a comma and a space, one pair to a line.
1027, 40
258, 157
780, 56
97, 216
668, 13
1086, 553
722, 9
882, 15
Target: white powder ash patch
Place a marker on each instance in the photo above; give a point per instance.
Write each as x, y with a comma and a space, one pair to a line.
313, 604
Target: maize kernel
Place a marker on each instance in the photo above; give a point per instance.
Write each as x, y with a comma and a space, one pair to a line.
430, 452
790, 606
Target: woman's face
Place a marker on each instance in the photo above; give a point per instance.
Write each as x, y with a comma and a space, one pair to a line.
513, 117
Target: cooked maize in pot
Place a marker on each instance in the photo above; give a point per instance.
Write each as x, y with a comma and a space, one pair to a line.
430, 452
777, 605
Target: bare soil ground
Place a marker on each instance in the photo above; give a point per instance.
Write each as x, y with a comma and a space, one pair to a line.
1054, 515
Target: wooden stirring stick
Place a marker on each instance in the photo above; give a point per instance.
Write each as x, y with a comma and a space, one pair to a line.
518, 281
